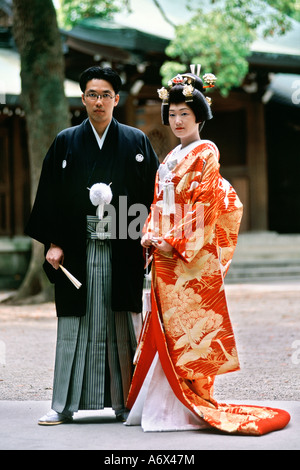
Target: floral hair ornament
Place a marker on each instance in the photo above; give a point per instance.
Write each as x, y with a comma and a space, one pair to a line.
209, 78
164, 95
188, 82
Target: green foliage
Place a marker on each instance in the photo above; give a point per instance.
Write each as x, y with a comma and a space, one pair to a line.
290, 8
220, 38
73, 11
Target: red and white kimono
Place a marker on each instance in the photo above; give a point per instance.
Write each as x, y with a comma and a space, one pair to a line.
198, 213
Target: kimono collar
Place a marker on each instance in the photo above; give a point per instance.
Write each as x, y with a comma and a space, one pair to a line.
100, 140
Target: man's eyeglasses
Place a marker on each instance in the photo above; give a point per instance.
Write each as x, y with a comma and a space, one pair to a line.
104, 97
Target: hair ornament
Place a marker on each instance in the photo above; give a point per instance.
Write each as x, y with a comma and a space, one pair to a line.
184, 80
188, 83
178, 80
164, 95
188, 92
193, 67
209, 78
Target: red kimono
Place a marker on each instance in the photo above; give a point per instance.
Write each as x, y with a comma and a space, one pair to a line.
198, 213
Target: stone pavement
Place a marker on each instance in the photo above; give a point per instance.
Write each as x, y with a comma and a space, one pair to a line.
100, 431
266, 321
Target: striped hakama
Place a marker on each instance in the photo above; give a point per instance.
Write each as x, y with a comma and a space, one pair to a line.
94, 353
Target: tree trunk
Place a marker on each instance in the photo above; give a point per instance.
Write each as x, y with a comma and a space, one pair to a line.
42, 76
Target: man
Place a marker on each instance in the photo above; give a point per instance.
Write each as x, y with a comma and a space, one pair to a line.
96, 323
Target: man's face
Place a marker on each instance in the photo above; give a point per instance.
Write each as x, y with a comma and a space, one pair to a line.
99, 109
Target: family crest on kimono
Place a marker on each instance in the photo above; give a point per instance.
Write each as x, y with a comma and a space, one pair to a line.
187, 337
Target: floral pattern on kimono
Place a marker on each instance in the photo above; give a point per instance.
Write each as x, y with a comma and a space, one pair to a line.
189, 286
189, 324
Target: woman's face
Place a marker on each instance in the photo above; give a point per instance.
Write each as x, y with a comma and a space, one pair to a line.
183, 123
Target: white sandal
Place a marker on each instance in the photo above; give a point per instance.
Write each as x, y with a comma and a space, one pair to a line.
52, 418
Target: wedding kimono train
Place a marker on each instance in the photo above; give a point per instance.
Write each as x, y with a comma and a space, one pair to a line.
187, 338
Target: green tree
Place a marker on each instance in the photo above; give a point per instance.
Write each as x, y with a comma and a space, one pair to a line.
72, 12
218, 35
219, 38
288, 7
42, 77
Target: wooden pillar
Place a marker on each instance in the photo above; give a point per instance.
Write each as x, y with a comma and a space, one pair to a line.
257, 165
5, 193
129, 109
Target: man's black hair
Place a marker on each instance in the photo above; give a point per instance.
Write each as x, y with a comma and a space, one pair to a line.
101, 73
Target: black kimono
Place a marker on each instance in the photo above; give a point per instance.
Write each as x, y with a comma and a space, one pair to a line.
73, 164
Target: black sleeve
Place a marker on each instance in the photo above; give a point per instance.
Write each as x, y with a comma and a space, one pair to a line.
41, 223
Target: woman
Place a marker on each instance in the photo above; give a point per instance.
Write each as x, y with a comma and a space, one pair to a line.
190, 234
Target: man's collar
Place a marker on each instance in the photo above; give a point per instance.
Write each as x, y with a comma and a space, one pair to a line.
99, 139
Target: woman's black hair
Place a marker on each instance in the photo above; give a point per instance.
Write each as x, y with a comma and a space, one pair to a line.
101, 73
197, 102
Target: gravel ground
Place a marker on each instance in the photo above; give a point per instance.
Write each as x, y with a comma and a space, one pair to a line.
265, 318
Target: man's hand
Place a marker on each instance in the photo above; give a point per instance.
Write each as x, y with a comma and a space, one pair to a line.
55, 256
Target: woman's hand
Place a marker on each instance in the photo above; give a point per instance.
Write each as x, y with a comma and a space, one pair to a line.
146, 240
162, 245
149, 240
55, 256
